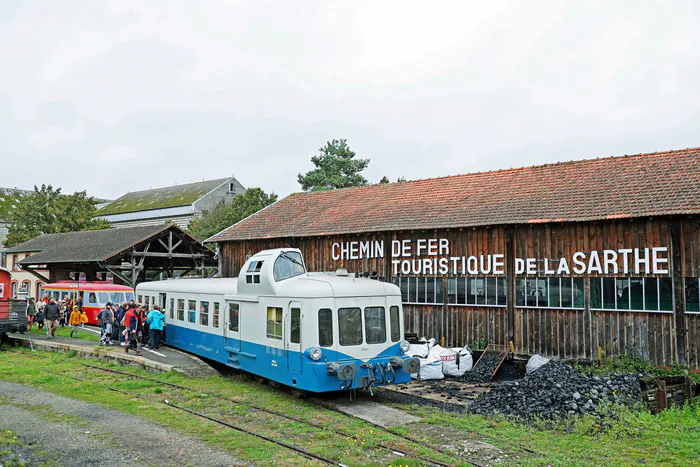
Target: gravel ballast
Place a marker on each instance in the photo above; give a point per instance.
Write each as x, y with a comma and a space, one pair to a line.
556, 390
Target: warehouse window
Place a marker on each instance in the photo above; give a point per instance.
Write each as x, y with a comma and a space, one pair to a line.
632, 294
551, 292
395, 324
274, 323
424, 290
483, 291
325, 327
181, 310
692, 294
375, 324
350, 326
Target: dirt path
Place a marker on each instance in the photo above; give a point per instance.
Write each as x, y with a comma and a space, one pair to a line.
74, 433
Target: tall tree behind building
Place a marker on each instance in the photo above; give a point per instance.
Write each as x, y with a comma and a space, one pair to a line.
47, 211
226, 214
336, 167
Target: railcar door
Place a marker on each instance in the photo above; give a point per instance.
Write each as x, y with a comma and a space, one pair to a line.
232, 326
292, 336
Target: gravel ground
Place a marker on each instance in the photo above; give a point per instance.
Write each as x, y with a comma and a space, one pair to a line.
95, 436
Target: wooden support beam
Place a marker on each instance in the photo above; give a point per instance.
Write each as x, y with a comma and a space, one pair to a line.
143, 254
31, 271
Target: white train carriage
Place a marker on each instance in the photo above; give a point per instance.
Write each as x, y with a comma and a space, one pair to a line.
315, 332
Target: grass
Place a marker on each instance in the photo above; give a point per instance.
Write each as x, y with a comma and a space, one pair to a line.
626, 438
14, 454
65, 332
633, 363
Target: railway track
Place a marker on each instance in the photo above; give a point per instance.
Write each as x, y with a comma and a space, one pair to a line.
397, 451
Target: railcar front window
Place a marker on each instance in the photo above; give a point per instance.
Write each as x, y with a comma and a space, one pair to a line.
295, 331
274, 323
232, 317
204, 313
325, 327
350, 326
192, 311
375, 324
395, 324
181, 310
288, 264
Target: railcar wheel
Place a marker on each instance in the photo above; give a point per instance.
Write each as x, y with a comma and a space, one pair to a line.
297, 393
3, 338
261, 380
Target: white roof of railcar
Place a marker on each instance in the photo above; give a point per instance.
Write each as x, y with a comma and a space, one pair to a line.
225, 286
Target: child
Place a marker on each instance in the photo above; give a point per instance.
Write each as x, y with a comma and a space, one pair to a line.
74, 321
83, 319
40, 318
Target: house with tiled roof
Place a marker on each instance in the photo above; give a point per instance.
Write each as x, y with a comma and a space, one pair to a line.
564, 260
178, 204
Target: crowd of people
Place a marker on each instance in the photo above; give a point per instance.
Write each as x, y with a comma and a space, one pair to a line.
130, 325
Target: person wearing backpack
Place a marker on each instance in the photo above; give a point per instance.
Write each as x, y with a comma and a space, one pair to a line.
155, 319
107, 319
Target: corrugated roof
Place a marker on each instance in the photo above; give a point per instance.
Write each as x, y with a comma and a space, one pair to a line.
642, 185
159, 198
85, 246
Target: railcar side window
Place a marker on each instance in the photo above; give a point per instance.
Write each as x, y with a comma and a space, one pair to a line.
325, 327
140, 300
192, 311
116, 297
129, 296
148, 301
181, 310
395, 324
92, 298
232, 317
288, 264
274, 323
350, 326
295, 331
102, 297
375, 324
204, 313
172, 308
216, 314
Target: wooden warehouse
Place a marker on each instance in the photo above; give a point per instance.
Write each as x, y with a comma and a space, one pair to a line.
559, 258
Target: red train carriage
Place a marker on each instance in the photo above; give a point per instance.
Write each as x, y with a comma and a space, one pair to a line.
93, 295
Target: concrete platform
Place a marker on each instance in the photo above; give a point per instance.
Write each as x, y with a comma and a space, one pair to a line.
162, 360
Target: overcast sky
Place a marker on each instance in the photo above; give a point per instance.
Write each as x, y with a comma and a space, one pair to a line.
120, 95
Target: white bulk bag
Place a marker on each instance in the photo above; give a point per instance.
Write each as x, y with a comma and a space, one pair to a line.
430, 368
534, 363
465, 360
448, 358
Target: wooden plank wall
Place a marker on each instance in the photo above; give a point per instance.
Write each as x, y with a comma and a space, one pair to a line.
560, 333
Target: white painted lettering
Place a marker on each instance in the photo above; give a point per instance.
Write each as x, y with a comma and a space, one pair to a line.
656, 261
335, 252
444, 246
498, 264
641, 259
563, 267
531, 265
594, 263
625, 252
395, 248
433, 247
353, 250
485, 269
472, 265
379, 249
427, 266
579, 261
395, 263
420, 246
405, 267
610, 261
364, 249
546, 267
406, 248
519, 265
444, 266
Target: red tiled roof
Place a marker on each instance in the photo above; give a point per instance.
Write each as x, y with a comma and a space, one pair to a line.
642, 185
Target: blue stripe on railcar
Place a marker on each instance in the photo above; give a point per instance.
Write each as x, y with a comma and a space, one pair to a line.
271, 362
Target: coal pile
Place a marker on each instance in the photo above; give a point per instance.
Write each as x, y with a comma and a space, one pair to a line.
556, 390
482, 372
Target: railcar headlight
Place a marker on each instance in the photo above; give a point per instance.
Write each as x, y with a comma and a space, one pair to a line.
316, 353
405, 346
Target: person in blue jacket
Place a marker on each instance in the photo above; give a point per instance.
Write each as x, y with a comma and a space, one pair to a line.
155, 320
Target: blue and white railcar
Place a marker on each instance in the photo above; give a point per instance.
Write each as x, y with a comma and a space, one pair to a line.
316, 332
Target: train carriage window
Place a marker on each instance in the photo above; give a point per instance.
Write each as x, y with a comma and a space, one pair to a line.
274, 323
288, 264
192, 311
325, 327
232, 316
375, 324
395, 323
148, 301
172, 308
92, 298
116, 297
216, 314
140, 300
181, 309
204, 313
295, 326
129, 296
350, 326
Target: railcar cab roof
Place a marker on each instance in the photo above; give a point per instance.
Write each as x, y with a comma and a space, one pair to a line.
282, 272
